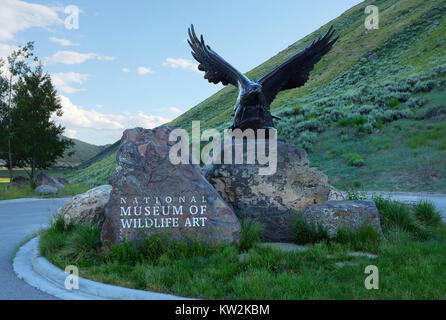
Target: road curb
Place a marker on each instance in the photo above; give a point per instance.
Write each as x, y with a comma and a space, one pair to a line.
41, 274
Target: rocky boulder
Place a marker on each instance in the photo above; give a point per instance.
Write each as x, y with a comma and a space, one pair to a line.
346, 215
335, 195
151, 195
271, 199
19, 181
62, 180
44, 178
88, 207
45, 190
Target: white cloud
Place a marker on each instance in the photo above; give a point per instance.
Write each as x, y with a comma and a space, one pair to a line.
73, 57
99, 106
6, 49
125, 70
18, 15
184, 64
70, 133
63, 81
101, 128
144, 70
63, 42
106, 58
175, 110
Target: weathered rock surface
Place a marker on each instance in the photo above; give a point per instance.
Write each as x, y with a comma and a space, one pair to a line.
88, 207
335, 195
44, 178
19, 181
62, 180
345, 215
45, 189
150, 195
271, 198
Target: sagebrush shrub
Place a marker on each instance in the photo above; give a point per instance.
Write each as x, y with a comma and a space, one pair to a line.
354, 159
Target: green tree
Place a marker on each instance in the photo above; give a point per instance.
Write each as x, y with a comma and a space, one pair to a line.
37, 138
17, 67
3, 109
4, 113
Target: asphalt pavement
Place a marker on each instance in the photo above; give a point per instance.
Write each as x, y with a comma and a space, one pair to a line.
20, 219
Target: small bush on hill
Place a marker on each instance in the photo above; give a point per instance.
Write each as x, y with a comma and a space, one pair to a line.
393, 103
354, 159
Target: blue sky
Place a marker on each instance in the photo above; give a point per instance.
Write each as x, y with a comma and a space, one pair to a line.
128, 63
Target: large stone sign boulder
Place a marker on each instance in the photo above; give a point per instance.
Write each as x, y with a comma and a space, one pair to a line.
271, 199
88, 207
151, 195
44, 178
347, 215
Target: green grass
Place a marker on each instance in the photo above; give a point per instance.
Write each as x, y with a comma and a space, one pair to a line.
8, 192
427, 214
251, 230
410, 268
304, 233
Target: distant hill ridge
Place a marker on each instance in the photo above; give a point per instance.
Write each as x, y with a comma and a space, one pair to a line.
83, 151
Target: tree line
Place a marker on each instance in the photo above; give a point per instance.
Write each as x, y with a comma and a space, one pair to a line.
29, 137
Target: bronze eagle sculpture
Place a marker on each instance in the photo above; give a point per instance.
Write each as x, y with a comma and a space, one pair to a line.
252, 109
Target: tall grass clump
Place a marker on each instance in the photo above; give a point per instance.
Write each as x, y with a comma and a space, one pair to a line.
250, 234
396, 215
153, 247
304, 232
53, 239
365, 238
427, 214
79, 243
85, 241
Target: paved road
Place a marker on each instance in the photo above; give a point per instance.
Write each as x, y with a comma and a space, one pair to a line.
20, 219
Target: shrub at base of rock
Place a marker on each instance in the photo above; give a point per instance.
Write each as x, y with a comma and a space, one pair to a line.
333, 216
152, 196
88, 207
45, 190
44, 178
270, 199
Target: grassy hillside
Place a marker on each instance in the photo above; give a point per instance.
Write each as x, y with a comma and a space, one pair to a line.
372, 114
84, 155
83, 151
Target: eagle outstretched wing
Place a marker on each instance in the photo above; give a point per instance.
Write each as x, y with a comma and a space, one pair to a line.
295, 71
215, 67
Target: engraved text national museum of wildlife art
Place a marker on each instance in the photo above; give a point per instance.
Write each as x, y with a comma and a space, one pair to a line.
158, 212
